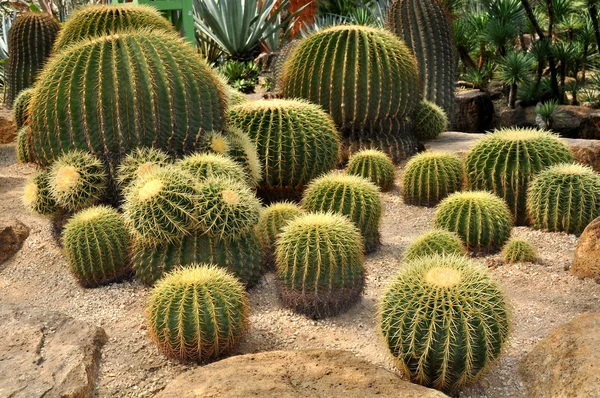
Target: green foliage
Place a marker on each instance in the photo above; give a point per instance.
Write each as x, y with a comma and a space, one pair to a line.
437, 241
77, 180
138, 163
352, 196
373, 165
481, 219
319, 260
296, 141
23, 149
242, 76
430, 121
518, 251
549, 112
271, 222
445, 321
206, 165
21, 107
505, 161
30, 41
197, 313
36, 194
564, 198
429, 177
515, 68
96, 243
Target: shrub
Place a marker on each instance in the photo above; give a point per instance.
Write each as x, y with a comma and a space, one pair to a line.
518, 251
36, 194
430, 121
242, 76
271, 222
373, 165
433, 242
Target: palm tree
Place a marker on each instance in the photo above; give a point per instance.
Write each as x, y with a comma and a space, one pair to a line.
515, 69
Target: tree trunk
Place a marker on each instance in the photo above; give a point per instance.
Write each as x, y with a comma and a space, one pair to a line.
584, 62
594, 17
481, 55
512, 96
466, 58
554, 82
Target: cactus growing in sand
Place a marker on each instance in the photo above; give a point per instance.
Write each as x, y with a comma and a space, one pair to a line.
518, 251
271, 222
430, 121
373, 165
21, 107
437, 241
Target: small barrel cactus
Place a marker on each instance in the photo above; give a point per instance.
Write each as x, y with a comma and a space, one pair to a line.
564, 198
37, 196
138, 163
373, 165
430, 177
271, 222
77, 180
21, 107
437, 241
505, 161
430, 121
23, 149
197, 313
206, 165
518, 251
353, 196
161, 206
481, 219
445, 321
319, 262
96, 244
296, 141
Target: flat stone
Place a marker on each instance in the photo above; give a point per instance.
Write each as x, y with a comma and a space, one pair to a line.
586, 263
12, 235
294, 374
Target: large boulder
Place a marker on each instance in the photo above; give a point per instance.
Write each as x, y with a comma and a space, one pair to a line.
474, 112
12, 235
586, 263
294, 374
578, 122
8, 130
517, 117
587, 152
565, 364
46, 354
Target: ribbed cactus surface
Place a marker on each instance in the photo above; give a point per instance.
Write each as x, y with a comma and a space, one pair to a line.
207, 165
30, 41
37, 196
138, 163
437, 241
373, 165
518, 251
426, 28
271, 222
445, 321
430, 121
23, 148
21, 107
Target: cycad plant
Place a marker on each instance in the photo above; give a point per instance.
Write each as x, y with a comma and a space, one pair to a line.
515, 70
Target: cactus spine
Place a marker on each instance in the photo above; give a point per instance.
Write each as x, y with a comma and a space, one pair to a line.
37, 196
373, 165
21, 107
433, 242
270, 224
518, 251
138, 163
430, 121
206, 165
23, 149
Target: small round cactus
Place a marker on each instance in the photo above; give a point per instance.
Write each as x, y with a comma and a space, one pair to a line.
36, 194
430, 177
319, 261
96, 243
518, 251
430, 121
445, 321
373, 165
138, 163
77, 180
161, 205
481, 219
271, 222
437, 241
197, 313
21, 107
206, 165
564, 198
23, 148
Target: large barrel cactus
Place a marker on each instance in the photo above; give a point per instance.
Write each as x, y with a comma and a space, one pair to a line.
30, 42
113, 94
425, 27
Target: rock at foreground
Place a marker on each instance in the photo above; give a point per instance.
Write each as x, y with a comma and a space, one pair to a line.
45, 354
586, 263
566, 364
294, 374
12, 235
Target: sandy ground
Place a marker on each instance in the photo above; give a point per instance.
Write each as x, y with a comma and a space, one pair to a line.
544, 296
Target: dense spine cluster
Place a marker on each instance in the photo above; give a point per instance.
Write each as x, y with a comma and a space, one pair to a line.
433, 242
21, 107
270, 224
518, 251
373, 165
430, 121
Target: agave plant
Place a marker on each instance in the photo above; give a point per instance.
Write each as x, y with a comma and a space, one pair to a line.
515, 70
548, 113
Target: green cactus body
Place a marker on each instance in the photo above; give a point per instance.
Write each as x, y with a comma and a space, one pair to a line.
271, 222
445, 321
138, 163
21, 107
206, 165
37, 197
430, 177
113, 94
23, 148
353, 196
161, 206
564, 198
373, 165
96, 244
197, 313
77, 180
505, 162
296, 141
481, 219
105, 20
425, 27
518, 251
30, 42
430, 121
433, 242
319, 261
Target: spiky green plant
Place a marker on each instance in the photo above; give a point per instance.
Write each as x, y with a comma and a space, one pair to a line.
138, 163
242, 256
319, 261
94, 21
21, 107
96, 244
353, 196
23, 149
426, 28
518, 251
481, 219
271, 222
430, 121
445, 321
36, 194
437, 241
430, 177
373, 165
161, 205
197, 313
77, 180
505, 161
296, 141
206, 165
138, 95
564, 198
30, 41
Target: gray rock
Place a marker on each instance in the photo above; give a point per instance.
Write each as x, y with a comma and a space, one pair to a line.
12, 235
578, 122
518, 117
474, 112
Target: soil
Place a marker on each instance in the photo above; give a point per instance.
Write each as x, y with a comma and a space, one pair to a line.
544, 296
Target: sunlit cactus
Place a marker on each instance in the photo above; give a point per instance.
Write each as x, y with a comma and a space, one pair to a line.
138, 163
23, 148
271, 222
206, 165
373, 165
37, 197
437, 241
430, 121
21, 107
518, 251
